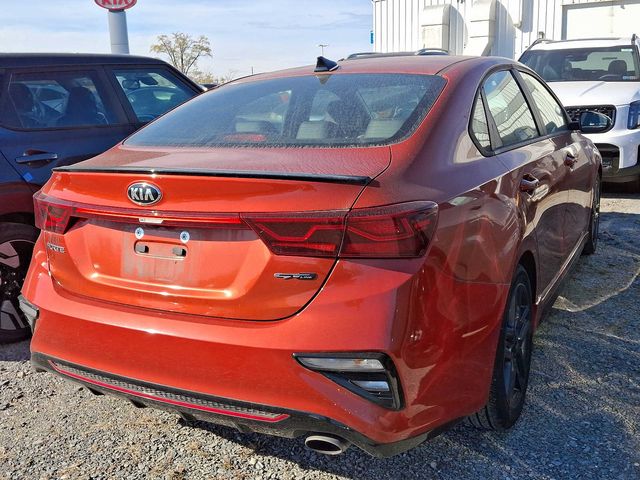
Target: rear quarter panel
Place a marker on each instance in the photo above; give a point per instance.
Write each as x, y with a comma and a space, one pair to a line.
455, 300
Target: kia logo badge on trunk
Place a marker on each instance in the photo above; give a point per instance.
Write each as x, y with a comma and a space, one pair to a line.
142, 193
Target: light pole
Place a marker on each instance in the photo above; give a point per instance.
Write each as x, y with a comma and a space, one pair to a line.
322, 45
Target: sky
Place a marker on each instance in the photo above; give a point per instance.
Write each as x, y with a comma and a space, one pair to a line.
263, 34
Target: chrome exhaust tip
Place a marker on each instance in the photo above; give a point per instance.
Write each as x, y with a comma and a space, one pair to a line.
327, 445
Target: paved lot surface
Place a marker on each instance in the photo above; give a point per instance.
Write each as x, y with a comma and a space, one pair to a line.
582, 419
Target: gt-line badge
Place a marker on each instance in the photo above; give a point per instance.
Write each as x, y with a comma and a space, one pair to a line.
55, 248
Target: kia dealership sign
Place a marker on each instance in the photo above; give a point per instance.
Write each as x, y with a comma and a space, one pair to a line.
115, 5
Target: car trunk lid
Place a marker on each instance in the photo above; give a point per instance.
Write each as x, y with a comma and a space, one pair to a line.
193, 251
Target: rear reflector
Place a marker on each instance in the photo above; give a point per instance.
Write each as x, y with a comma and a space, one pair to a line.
341, 364
402, 230
369, 375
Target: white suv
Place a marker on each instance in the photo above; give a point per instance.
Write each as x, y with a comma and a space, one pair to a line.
601, 75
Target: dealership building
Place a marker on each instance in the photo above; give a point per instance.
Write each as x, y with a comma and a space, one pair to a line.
496, 27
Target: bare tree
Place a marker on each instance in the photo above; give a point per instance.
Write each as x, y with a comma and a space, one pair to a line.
183, 50
208, 77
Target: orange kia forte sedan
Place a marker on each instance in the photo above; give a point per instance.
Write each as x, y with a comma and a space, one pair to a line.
353, 253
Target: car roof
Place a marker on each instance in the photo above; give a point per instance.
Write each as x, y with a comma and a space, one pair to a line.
406, 64
9, 60
582, 43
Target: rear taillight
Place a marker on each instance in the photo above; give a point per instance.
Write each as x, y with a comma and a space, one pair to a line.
393, 231
312, 234
51, 215
402, 230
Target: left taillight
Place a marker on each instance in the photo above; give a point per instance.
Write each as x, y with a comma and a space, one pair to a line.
52, 215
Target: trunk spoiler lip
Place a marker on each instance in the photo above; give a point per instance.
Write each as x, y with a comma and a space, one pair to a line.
309, 177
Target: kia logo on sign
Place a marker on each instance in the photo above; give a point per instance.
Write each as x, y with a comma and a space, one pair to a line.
142, 193
115, 5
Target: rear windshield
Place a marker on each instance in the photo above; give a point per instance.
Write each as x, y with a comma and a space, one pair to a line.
609, 64
323, 110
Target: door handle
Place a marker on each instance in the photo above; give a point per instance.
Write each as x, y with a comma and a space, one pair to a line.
31, 156
570, 159
529, 183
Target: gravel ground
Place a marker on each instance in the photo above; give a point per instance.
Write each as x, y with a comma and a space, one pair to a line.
582, 419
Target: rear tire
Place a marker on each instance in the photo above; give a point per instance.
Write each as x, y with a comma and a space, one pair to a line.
594, 222
16, 247
513, 359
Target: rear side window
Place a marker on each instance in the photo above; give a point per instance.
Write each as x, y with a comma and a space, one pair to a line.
56, 99
329, 110
507, 106
550, 110
479, 127
151, 92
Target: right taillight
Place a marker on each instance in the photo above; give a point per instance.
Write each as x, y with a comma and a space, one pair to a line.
393, 231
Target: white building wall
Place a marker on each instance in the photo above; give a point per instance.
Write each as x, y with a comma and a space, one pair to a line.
399, 25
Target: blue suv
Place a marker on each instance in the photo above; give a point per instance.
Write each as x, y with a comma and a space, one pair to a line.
59, 109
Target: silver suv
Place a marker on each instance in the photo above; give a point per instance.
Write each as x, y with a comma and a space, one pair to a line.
601, 75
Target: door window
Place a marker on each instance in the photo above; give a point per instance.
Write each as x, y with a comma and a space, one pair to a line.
509, 109
56, 99
550, 110
152, 92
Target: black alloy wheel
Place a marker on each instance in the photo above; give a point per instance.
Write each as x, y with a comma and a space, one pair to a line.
16, 248
594, 222
513, 359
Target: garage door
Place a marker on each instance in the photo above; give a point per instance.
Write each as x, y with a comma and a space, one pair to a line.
601, 19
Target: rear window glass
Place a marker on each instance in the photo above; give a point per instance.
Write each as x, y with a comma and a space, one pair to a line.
327, 110
608, 64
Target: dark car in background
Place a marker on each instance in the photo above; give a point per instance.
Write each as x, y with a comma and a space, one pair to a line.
56, 110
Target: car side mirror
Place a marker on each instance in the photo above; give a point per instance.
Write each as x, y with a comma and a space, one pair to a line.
594, 122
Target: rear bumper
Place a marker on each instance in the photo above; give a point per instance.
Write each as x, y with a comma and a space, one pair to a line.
244, 417
443, 351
